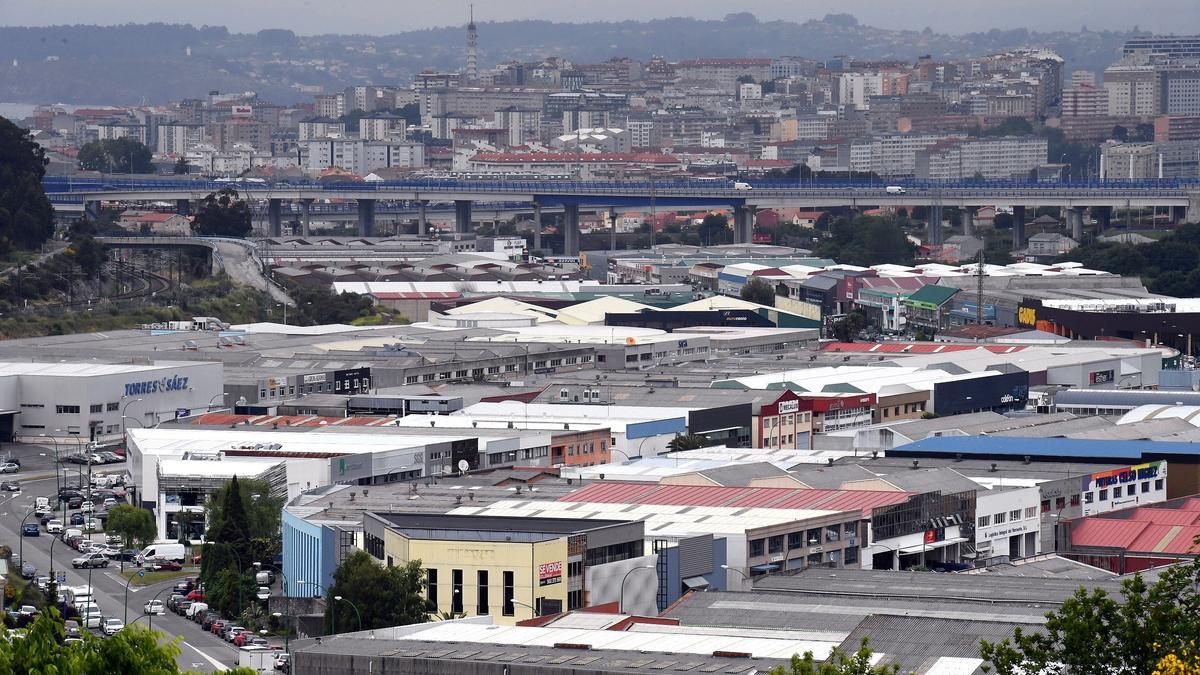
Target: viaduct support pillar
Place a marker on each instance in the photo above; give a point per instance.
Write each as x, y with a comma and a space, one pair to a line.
570, 229
1103, 216
743, 224
935, 225
968, 222
275, 216
422, 220
1018, 224
183, 207
1192, 212
1075, 218
612, 232
537, 226
462, 216
366, 217
91, 211
1178, 215
305, 216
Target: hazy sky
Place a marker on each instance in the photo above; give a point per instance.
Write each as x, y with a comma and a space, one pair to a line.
390, 16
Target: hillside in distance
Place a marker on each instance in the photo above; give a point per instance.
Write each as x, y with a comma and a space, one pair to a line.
157, 63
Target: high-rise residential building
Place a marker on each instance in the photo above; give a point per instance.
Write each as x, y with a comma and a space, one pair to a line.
1172, 46
857, 88
365, 98
177, 138
320, 127
1172, 159
1084, 100
361, 157
1177, 128
331, 105
893, 155
1000, 158
1179, 89
244, 130
1083, 78
524, 125
379, 126
1131, 89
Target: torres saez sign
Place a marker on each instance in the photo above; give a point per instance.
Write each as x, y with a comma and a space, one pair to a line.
160, 386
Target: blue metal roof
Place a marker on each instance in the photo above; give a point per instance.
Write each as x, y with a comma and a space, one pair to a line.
1045, 448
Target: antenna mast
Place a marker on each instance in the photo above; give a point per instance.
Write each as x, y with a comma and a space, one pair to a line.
472, 45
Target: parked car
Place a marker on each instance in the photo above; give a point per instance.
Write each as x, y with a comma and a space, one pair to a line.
28, 610
195, 595
185, 586
86, 506
264, 578
207, 622
283, 662
181, 607
166, 566
239, 640
94, 525
10, 486
257, 642
77, 518
91, 619
173, 600
112, 538
110, 502
112, 626
155, 607
75, 502
72, 628
218, 625
31, 530
90, 560
231, 632
10, 467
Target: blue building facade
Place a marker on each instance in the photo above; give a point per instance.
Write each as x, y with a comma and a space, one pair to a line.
309, 555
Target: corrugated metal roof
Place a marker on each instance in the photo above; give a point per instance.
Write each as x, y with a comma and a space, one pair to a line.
1106, 532
1045, 447
735, 497
1166, 516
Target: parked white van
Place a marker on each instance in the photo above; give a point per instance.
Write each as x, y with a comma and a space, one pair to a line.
163, 550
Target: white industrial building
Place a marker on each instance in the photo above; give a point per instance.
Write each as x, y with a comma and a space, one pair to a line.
97, 401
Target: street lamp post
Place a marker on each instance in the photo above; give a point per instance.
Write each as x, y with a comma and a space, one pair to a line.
320, 591
21, 532
57, 467
287, 602
621, 596
355, 607
124, 435
221, 396
140, 573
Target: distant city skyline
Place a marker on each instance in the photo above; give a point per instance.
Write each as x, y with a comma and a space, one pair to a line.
377, 17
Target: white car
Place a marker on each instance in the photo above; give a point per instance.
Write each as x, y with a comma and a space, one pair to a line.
110, 502
54, 526
112, 626
93, 525
9, 467
155, 607
91, 619
87, 507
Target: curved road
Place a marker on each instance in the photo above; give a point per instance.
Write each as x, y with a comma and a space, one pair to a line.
200, 651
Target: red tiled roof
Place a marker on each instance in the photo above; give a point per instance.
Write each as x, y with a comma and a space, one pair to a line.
737, 497
547, 158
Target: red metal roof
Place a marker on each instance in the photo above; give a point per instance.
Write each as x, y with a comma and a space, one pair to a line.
1166, 516
1106, 532
737, 497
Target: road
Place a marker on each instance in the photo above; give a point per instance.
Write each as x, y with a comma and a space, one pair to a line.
200, 651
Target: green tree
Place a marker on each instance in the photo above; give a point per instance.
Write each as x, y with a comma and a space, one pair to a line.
90, 255
135, 525
121, 155
181, 166
867, 240
384, 596
134, 650
687, 442
243, 528
714, 229
838, 663
846, 328
1094, 633
223, 214
26, 216
758, 291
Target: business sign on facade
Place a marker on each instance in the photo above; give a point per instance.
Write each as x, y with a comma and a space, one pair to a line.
786, 407
1129, 474
317, 378
1027, 316
161, 386
242, 111
1101, 377
550, 573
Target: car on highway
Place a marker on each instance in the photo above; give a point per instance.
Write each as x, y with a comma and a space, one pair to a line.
90, 560
43, 514
31, 530
10, 467
86, 506
74, 502
185, 586
10, 486
54, 526
28, 571
155, 607
77, 518
67, 494
91, 618
72, 628
112, 626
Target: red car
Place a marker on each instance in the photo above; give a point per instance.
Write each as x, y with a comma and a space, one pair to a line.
167, 566
196, 596
240, 640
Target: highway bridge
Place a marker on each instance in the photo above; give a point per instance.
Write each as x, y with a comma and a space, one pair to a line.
1181, 198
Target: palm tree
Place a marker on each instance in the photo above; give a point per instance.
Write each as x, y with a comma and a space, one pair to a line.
687, 442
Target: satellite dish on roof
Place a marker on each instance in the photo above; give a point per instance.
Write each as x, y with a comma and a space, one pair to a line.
463, 466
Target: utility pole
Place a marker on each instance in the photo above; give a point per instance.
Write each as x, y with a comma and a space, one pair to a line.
979, 284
